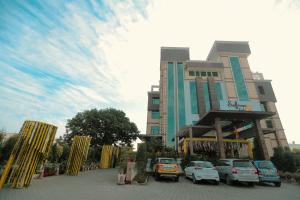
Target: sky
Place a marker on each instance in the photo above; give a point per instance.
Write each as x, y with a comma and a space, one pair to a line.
58, 58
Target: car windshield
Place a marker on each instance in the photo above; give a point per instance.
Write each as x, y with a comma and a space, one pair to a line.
265, 165
167, 161
242, 163
204, 165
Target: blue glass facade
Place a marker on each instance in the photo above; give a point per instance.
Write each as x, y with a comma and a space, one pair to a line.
180, 94
218, 88
206, 96
239, 79
155, 115
154, 130
193, 97
171, 107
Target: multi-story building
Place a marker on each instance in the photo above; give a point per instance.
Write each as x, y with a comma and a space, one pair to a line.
219, 97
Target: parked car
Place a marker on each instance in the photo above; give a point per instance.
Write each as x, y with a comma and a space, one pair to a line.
267, 172
237, 170
166, 167
202, 170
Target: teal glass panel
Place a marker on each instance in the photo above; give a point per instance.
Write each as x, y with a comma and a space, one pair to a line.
193, 97
206, 96
194, 122
155, 115
239, 79
170, 107
155, 101
154, 130
180, 85
218, 88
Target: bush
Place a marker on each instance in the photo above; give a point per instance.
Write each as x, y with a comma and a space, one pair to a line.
284, 159
141, 177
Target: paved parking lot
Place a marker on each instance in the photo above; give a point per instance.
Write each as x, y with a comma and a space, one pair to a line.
101, 184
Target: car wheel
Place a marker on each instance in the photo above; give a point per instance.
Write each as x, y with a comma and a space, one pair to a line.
176, 179
277, 184
251, 184
194, 179
216, 182
186, 175
228, 181
156, 176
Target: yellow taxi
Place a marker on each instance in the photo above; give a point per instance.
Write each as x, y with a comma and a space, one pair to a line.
166, 167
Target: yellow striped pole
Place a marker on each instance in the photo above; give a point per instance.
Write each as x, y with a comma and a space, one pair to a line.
78, 154
29, 151
108, 154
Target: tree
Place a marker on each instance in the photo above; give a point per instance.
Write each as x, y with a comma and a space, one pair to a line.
2, 134
284, 159
105, 126
7, 147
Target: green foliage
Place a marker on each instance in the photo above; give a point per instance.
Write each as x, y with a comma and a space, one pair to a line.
94, 154
55, 154
154, 145
141, 158
126, 154
65, 153
2, 134
105, 126
7, 147
284, 159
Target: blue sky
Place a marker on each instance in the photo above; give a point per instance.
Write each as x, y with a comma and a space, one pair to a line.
52, 63
58, 58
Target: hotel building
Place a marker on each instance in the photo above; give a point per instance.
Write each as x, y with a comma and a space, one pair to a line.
216, 98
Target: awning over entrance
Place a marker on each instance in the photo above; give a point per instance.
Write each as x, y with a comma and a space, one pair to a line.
145, 137
231, 115
197, 131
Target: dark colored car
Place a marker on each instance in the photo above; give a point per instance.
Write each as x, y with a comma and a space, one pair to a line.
267, 172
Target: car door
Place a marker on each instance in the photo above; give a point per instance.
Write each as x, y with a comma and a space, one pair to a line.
220, 168
188, 169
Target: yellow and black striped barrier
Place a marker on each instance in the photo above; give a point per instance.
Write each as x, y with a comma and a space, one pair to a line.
31, 150
78, 154
109, 155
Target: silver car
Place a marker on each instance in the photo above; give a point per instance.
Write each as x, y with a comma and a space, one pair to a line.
201, 170
237, 170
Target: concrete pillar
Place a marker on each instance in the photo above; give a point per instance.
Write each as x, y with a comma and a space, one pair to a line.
260, 139
221, 149
191, 141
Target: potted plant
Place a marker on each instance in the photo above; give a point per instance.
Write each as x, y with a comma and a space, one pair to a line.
141, 178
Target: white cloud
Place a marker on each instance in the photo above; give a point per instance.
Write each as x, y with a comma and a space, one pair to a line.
125, 53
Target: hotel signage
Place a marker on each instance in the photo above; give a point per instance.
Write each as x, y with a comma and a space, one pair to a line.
251, 105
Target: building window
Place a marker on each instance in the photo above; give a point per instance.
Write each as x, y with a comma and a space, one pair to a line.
261, 90
263, 106
154, 130
269, 123
197, 73
155, 101
215, 74
191, 73
203, 73
155, 115
208, 73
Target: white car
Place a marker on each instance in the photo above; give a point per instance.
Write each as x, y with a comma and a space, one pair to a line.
202, 170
